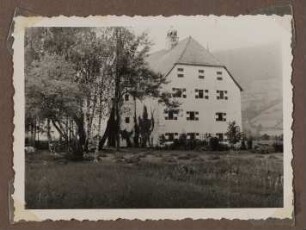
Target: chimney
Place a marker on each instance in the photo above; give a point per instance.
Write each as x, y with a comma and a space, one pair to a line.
172, 38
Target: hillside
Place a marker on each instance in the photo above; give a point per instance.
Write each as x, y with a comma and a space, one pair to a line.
259, 71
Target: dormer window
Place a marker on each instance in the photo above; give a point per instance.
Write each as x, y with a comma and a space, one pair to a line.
219, 75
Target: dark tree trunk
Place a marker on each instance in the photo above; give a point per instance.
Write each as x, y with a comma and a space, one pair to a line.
58, 128
33, 133
119, 47
110, 133
136, 128
48, 131
128, 142
117, 127
79, 145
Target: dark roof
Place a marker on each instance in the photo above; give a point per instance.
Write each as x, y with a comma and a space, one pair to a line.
188, 51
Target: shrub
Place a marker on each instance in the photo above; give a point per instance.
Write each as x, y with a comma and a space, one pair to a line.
162, 139
243, 145
250, 143
214, 144
278, 146
182, 143
233, 133
214, 158
184, 157
222, 147
42, 145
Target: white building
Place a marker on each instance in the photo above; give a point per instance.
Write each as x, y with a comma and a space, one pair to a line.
208, 94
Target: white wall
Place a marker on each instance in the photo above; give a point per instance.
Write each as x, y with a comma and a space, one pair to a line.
206, 107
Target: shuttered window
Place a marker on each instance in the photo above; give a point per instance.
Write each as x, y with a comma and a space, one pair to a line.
192, 115
222, 95
220, 116
201, 93
171, 114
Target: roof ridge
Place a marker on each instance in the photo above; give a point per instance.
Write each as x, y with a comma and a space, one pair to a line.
187, 43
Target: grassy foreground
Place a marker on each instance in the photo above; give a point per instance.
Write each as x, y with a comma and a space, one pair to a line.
155, 179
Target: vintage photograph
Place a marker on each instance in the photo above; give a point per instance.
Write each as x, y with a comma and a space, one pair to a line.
157, 114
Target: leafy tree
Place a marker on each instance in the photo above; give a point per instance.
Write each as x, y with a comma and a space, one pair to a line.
233, 133
132, 76
68, 79
76, 75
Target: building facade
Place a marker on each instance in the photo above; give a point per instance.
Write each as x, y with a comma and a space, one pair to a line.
208, 95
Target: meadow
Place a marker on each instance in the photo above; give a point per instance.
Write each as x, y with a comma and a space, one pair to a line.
155, 179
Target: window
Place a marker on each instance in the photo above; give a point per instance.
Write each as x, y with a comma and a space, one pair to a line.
192, 136
219, 75
171, 114
180, 72
201, 74
220, 136
127, 120
179, 92
220, 116
171, 136
126, 97
222, 95
201, 93
192, 115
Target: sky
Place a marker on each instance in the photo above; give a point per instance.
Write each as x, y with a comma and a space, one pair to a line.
218, 33
215, 32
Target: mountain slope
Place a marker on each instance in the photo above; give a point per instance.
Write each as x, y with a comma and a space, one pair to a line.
258, 71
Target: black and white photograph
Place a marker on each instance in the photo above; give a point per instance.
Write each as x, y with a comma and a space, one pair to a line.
178, 113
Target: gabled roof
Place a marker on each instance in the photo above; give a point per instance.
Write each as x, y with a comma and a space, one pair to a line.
188, 51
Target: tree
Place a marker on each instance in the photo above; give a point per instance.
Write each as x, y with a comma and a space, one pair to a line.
76, 75
233, 133
67, 76
132, 76
146, 126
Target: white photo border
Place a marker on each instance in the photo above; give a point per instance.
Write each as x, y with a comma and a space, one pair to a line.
20, 213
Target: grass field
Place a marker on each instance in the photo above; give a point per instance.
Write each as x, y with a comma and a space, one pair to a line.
155, 179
